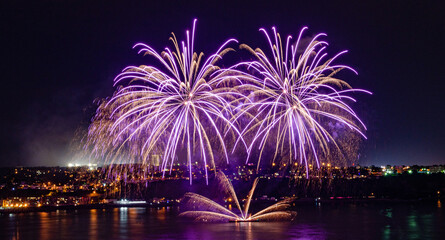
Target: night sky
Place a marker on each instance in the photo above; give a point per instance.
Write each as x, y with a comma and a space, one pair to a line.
58, 56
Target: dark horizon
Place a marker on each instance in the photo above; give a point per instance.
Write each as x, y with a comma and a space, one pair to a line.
59, 57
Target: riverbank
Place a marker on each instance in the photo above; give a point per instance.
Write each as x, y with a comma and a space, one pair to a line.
297, 202
84, 206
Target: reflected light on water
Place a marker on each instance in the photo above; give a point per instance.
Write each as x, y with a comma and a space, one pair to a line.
45, 225
253, 230
402, 221
93, 224
123, 215
161, 214
123, 220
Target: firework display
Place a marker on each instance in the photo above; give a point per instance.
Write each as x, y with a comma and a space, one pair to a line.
207, 210
292, 96
288, 100
177, 107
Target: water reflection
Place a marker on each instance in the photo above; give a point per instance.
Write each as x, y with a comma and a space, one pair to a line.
93, 233
14, 226
123, 220
255, 230
313, 222
161, 214
44, 222
123, 215
413, 222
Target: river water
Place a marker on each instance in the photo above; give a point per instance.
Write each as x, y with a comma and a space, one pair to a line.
314, 221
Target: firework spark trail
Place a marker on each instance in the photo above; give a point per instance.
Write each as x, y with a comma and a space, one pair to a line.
177, 107
210, 210
291, 92
184, 104
205, 204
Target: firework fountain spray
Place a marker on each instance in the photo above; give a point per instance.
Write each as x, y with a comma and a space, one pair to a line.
210, 211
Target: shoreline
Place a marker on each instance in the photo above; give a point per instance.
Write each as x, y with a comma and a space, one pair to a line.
301, 201
79, 207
